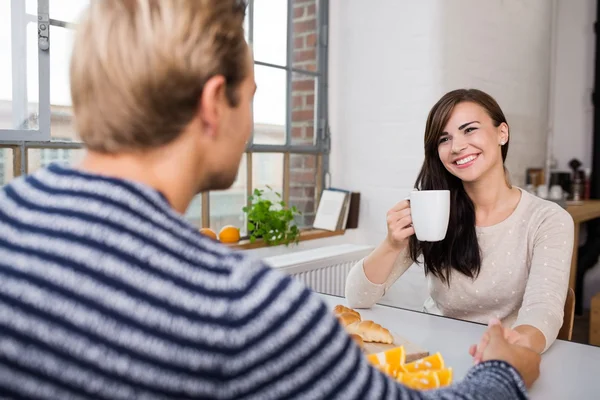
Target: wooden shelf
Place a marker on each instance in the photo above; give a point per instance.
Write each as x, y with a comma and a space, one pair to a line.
311, 234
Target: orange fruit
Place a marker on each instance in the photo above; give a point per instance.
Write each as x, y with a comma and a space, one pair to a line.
421, 380
389, 361
373, 359
209, 232
400, 369
229, 234
395, 357
434, 361
386, 369
445, 376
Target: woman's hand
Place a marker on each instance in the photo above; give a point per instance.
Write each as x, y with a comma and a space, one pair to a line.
399, 225
519, 336
523, 359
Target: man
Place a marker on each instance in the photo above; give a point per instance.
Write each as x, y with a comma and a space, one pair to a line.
105, 290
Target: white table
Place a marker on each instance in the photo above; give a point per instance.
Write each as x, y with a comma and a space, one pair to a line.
568, 371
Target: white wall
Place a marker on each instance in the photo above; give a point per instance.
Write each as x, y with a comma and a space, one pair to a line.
574, 82
390, 60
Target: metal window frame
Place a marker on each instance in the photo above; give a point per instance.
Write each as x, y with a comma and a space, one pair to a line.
20, 141
322, 145
19, 21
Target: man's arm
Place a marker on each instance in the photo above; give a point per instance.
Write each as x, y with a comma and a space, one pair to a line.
288, 344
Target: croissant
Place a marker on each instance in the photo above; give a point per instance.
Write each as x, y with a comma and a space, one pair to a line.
348, 318
340, 309
371, 332
358, 340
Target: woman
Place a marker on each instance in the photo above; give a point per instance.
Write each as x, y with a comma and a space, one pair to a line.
506, 254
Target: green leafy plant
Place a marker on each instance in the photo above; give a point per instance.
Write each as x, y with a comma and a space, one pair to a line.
271, 221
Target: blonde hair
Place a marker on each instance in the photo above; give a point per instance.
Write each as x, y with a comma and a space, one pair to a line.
139, 66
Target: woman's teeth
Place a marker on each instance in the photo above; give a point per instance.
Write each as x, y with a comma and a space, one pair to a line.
466, 160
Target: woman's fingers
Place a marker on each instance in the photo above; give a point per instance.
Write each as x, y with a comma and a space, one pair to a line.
394, 216
485, 340
473, 350
402, 229
400, 206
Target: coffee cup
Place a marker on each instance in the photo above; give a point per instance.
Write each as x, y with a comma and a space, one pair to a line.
430, 212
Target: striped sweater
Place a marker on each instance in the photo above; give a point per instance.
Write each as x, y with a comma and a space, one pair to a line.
107, 293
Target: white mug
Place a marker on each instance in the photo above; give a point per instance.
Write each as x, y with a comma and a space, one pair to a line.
430, 211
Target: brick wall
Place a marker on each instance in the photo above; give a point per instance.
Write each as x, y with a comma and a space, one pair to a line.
303, 168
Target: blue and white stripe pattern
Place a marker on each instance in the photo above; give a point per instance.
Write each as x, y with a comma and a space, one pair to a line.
107, 293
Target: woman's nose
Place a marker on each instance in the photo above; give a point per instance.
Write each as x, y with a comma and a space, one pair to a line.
458, 145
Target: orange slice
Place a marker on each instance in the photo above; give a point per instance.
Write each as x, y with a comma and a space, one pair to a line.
401, 369
396, 356
373, 359
422, 380
434, 361
388, 369
445, 376
391, 361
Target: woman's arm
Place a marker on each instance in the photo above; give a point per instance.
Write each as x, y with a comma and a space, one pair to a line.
361, 292
531, 337
370, 278
379, 265
541, 314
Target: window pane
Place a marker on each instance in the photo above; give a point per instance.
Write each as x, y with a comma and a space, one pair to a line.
226, 206
62, 45
31, 7
303, 184
19, 90
247, 25
270, 31
305, 35
269, 105
267, 170
6, 166
41, 158
304, 97
194, 211
61, 114
67, 10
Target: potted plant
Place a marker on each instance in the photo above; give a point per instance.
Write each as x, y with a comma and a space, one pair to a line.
271, 221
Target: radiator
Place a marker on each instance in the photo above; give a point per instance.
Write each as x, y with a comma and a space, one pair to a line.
323, 269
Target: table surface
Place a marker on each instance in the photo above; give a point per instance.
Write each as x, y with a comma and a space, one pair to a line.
568, 371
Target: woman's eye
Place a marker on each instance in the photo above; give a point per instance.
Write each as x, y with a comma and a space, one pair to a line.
469, 130
444, 140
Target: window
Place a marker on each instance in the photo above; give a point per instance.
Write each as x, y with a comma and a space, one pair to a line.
42, 157
289, 147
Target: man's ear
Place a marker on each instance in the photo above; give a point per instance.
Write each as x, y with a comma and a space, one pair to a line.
211, 104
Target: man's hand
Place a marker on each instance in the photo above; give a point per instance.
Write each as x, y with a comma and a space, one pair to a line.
497, 347
512, 336
523, 335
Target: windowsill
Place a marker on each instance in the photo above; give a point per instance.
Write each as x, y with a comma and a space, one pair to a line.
310, 234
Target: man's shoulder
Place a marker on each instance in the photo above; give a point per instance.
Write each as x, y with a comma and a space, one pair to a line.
244, 271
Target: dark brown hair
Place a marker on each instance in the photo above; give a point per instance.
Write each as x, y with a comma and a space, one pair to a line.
459, 251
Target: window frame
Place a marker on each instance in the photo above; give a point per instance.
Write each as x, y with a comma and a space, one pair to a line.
19, 72
21, 141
